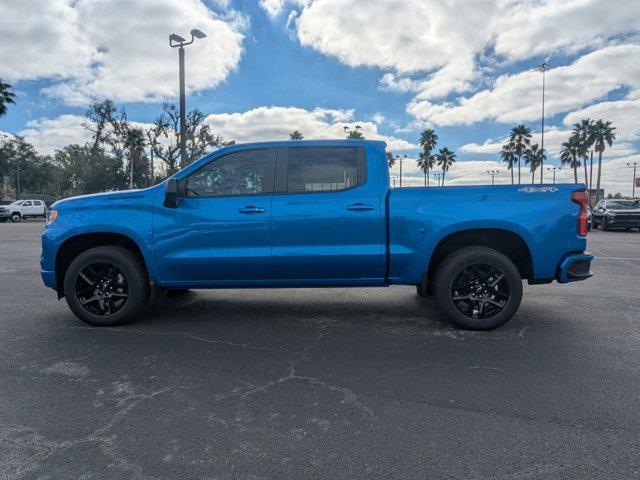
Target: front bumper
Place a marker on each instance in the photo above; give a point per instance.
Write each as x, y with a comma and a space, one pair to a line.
622, 221
49, 278
574, 268
4, 214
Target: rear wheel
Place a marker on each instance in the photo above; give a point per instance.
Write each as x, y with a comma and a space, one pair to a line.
478, 288
106, 286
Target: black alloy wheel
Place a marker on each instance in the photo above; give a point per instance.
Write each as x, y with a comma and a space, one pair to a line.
106, 285
478, 288
480, 291
101, 288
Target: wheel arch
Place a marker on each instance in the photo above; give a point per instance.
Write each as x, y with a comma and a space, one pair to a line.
508, 242
76, 244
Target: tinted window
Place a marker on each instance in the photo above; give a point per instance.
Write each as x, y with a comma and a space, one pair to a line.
316, 169
27, 204
240, 173
623, 205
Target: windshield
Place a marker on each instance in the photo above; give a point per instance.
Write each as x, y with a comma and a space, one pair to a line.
623, 205
17, 202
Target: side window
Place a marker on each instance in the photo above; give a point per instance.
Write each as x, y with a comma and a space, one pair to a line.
240, 173
27, 204
321, 169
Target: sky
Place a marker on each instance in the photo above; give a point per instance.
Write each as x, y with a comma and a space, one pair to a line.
467, 69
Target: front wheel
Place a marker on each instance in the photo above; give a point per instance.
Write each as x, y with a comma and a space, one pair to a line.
106, 286
478, 288
16, 217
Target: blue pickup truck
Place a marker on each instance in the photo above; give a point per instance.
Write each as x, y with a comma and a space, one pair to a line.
313, 214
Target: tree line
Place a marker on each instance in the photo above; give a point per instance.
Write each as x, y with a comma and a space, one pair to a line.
119, 154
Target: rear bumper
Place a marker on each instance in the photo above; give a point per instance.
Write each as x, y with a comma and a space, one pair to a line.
574, 268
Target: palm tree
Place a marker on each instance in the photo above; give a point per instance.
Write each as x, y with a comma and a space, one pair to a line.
391, 159
508, 156
6, 96
520, 139
583, 132
426, 163
569, 152
445, 159
534, 157
296, 135
603, 134
428, 142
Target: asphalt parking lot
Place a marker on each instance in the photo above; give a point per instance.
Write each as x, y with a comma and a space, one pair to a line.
335, 383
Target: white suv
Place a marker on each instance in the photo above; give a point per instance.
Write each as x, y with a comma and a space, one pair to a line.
20, 209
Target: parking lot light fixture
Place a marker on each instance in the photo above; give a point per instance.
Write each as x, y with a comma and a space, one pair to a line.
493, 174
554, 170
176, 41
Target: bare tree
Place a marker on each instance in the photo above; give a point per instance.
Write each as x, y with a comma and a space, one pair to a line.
166, 133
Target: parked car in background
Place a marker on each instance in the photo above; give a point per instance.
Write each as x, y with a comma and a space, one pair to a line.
20, 209
313, 214
610, 214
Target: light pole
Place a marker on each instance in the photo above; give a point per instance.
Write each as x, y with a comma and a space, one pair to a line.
633, 165
400, 158
493, 175
543, 68
437, 176
554, 170
393, 177
176, 41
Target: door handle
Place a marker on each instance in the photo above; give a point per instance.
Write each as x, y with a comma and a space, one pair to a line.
360, 207
251, 209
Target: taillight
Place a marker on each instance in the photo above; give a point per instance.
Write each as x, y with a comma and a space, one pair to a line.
582, 199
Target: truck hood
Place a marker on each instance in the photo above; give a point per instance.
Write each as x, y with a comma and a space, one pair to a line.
635, 211
105, 198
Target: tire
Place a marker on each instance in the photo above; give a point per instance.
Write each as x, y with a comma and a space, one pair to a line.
16, 217
420, 290
462, 265
131, 280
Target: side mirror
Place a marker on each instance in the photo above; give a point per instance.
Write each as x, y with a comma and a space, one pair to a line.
171, 194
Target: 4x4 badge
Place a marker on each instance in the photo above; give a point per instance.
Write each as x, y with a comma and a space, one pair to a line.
537, 189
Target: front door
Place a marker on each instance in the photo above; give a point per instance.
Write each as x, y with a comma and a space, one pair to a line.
327, 217
220, 232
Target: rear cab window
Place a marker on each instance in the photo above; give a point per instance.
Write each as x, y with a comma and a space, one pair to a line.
321, 169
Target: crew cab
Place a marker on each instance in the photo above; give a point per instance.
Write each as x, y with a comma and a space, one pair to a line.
20, 209
610, 214
313, 214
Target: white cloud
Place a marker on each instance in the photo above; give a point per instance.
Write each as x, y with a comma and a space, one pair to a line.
116, 49
567, 26
42, 38
624, 114
50, 134
515, 98
275, 123
435, 48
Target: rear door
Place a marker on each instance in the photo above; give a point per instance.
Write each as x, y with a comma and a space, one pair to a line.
327, 216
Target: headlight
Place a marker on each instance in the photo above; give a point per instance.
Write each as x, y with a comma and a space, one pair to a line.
51, 216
